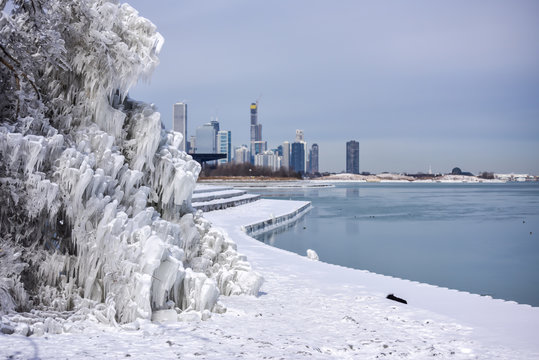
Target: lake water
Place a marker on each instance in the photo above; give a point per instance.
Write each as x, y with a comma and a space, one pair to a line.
481, 238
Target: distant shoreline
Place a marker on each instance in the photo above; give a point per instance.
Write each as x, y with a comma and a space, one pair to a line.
380, 178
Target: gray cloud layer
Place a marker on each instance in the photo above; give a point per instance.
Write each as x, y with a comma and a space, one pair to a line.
417, 82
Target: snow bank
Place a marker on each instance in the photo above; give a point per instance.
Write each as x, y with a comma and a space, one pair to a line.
97, 218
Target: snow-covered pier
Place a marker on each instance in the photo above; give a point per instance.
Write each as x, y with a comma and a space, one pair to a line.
221, 199
258, 214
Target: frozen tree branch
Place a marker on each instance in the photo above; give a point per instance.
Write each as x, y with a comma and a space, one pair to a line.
16, 74
17, 82
96, 200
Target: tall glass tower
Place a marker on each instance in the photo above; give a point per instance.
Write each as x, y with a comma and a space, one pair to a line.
179, 121
224, 145
313, 160
206, 139
352, 157
297, 157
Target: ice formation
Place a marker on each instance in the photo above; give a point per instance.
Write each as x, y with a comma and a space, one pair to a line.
96, 217
311, 254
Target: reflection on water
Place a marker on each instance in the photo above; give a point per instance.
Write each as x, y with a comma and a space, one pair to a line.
352, 228
480, 238
270, 236
352, 192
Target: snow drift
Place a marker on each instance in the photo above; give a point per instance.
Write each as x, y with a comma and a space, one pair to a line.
96, 215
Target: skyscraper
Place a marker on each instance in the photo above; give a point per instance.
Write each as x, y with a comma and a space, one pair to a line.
313, 159
179, 121
297, 157
286, 155
215, 124
256, 133
206, 139
224, 145
352, 157
300, 138
260, 147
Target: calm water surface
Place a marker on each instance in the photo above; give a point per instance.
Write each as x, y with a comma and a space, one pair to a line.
481, 238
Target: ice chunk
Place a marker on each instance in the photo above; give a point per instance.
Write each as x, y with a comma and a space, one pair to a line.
165, 316
311, 254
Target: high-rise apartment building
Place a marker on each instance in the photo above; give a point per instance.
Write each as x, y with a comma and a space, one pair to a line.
352, 157
313, 159
241, 155
224, 145
297, 157
268, 159
285, 162
300, 138
179, 122
256, 132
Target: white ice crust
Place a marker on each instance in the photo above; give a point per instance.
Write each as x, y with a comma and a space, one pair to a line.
96, 217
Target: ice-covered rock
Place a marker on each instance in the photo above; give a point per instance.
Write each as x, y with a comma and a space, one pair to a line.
96, 217
311, 254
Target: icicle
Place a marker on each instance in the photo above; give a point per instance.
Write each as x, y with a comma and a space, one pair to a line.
99, 191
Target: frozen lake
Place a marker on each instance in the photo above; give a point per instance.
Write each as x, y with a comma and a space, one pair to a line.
481, 238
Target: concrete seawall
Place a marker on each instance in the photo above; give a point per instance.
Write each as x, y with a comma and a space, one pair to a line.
276, 221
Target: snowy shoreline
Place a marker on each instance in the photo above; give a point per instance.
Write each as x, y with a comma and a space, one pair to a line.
308, 309
277, 221
494, 321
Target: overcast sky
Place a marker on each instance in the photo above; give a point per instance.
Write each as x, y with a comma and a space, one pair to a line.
417, 83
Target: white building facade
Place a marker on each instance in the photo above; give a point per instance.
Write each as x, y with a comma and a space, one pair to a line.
285, 162
268, 159
224, 145
242, 155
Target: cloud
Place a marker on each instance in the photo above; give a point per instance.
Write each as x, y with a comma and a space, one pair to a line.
378, 71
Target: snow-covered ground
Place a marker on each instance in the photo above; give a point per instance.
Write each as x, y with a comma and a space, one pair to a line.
309, 309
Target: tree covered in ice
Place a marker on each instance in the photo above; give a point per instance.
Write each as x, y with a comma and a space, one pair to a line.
95, 195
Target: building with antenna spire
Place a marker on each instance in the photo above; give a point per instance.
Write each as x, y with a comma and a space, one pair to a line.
257, 145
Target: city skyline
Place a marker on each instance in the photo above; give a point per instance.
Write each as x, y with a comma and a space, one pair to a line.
440, 84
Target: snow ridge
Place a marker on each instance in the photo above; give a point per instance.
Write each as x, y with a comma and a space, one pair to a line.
96, 217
